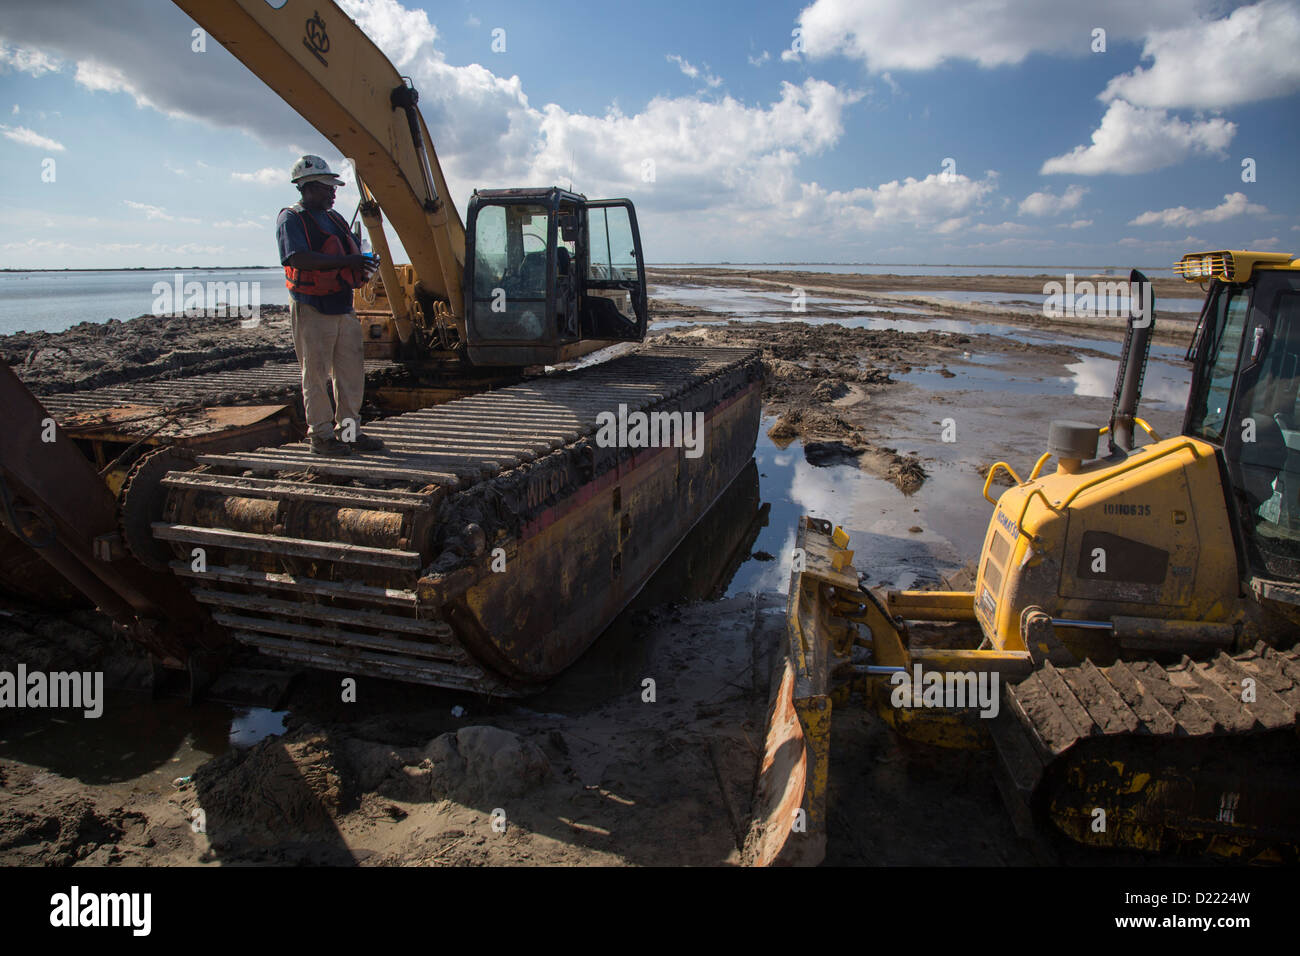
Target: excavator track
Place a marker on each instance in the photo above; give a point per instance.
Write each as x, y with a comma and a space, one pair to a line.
486, 546
1202, 754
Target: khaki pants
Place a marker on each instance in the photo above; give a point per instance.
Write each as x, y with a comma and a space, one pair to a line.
329, 347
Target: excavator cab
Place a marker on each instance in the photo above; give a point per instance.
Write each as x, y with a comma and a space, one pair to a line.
550, 276
1246, 355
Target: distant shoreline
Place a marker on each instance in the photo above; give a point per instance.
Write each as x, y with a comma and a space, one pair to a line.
652, 265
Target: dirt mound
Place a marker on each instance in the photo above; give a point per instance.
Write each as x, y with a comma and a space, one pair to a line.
96, 354
293, 790
280, 788
67, 830
830, 439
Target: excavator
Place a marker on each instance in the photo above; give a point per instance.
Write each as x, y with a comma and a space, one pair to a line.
1127, 648
501, 530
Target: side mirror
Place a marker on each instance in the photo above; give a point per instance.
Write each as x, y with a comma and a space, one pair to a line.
568, 223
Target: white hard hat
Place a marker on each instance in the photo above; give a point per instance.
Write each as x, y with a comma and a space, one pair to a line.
313, 169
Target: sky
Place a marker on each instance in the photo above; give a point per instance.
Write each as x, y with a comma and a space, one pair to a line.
1012, 132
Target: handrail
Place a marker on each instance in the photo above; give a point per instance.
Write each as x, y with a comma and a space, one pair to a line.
1038, 465
993, 471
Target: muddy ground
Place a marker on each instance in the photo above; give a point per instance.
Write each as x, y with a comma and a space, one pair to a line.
645, 753
925, 292
94, 354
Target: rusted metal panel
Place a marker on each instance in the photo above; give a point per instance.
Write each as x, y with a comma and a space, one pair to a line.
64, 493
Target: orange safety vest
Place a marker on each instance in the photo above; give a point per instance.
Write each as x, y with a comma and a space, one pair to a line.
323, 281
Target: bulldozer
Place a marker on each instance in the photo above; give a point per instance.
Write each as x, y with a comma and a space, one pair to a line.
1127, 647
501, 529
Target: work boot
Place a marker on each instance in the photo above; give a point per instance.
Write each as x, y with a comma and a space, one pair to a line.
364, 442
329, 446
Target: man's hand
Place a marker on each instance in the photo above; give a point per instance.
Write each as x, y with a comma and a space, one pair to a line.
366, 264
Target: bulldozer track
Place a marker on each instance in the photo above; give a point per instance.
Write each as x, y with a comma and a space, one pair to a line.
1171, 754
328, 561
1061, 706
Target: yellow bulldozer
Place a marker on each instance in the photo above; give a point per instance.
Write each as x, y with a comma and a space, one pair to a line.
1126, 646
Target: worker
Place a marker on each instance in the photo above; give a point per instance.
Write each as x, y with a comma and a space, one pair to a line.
322, 265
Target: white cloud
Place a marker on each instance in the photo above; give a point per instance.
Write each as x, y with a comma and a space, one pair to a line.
760, 59
1046, 204
241, 224
937, 202
15, 110
694, 72
1187, 243
27, 137
1134, 139
97, 77
1234, 204
1263, 243
134, 52
1248, 56
922, 34
725, 170
1001, 228
157, 212
266, 176
26, 60
1081, 224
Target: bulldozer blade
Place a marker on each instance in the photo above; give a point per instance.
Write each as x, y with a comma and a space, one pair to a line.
788, 822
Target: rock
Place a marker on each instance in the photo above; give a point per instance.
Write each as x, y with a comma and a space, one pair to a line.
825, 453
481, 762
374, 763
786, 427
829, 389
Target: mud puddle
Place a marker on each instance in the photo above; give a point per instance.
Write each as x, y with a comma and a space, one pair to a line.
1022, 303
1165, 384
751, 303
134, 737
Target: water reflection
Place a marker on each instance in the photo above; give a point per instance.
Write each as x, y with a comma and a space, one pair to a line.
135, 736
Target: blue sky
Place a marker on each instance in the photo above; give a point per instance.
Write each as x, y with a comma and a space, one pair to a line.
828, 145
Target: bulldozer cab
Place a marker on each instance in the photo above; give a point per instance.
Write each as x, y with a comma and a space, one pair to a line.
551, 275
1244, 400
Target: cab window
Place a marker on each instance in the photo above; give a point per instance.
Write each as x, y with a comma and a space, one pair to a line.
1213, 389
510, 263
